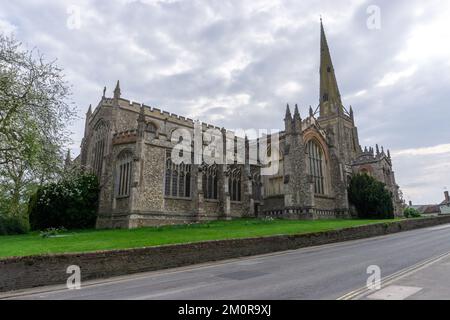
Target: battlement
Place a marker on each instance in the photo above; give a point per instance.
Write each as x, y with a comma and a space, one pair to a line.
124, 137
371, 155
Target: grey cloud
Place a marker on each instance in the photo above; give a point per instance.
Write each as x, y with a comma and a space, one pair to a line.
174, 54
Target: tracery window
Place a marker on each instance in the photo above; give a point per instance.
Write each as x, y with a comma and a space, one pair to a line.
99, 146
209, 180
124, 169
234, 184
177, 178
316, 163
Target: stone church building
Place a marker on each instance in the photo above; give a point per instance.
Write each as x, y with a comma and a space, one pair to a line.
129, 147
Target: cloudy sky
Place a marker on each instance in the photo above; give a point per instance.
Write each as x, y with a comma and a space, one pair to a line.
237, 63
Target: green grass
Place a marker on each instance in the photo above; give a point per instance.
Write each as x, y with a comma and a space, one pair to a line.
94, 240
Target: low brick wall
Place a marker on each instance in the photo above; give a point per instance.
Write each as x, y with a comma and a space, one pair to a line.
33, 271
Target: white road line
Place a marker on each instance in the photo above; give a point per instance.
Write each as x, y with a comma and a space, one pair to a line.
363, 291
394, 293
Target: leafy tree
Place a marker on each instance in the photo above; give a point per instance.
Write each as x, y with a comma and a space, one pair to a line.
70, 203
411, 213
34, 114
370, 197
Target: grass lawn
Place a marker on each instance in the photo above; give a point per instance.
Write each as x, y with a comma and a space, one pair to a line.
93, 240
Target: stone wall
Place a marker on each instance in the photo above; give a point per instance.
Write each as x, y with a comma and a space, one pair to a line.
26, 272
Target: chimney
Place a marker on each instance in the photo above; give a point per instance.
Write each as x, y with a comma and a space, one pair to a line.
447, 198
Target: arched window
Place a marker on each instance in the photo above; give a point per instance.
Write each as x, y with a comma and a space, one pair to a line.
234, 184
150, 127
177, 179
98, 147
316, 166
209, 182
124, 169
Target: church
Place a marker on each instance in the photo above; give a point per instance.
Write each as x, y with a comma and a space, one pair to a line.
129, 147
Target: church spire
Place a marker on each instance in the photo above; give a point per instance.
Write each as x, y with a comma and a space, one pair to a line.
330, 98
117, 91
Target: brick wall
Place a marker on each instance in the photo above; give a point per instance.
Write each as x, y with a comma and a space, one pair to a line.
27, 272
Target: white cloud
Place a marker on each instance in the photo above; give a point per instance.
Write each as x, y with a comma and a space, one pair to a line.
424, 151
288, 89
237, 63
393, 78
6, 27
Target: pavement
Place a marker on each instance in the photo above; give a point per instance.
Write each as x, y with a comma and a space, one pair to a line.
413, 265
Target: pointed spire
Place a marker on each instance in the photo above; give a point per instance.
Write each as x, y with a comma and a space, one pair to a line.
351, 112
329, 91
389, 154
382, 150
365, 150
378, 149
117, 90
89, 112
296, 112
288, 112
311, 112
104, 92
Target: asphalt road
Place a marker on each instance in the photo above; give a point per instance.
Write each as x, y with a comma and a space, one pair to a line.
324, 272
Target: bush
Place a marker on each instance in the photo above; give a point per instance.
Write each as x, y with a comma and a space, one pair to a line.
13, 225
70, 203
370, 197
411, 213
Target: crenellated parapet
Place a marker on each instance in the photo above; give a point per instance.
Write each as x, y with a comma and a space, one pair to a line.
370, 154
124, 137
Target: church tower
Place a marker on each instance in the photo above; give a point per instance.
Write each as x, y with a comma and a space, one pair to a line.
334, 117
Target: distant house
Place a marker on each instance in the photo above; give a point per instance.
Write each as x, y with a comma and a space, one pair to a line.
445, 205
434, 209
428, 209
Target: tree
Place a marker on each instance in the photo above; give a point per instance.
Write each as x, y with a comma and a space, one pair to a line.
70, 203
370, 197
34, 114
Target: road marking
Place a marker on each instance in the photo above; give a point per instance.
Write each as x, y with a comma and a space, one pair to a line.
363, 291
394, 293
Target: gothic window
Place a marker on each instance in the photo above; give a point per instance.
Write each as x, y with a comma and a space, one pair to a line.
325, 97
329, 69
234, 185
209, 180
98, 148
316, 162
151, 130
177, 179
124, 167
150, 127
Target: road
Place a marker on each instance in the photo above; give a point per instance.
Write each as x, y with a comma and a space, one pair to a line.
324, 272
